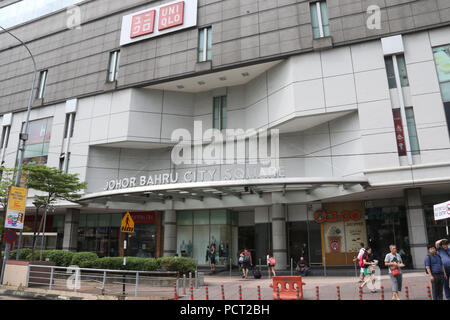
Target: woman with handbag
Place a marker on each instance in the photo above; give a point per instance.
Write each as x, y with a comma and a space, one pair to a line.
394, 262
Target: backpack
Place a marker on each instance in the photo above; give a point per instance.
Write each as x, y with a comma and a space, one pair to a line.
272, 261
246, 257
361, 261
241, 259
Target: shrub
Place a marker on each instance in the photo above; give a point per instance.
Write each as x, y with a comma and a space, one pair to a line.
24, 252
80, 257
180, 264
60, 257
37, 254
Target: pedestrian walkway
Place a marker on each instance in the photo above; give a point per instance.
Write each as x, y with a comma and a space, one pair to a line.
416, 283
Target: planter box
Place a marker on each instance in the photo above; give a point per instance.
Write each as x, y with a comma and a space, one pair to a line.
15, 273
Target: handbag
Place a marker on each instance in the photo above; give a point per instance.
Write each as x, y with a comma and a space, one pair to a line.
395, 272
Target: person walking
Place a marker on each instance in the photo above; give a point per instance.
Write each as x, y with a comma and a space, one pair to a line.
436, 271
369, 269
208, 252
212, 258
271, 262
357, 259
246, 262
394, 262
444, 253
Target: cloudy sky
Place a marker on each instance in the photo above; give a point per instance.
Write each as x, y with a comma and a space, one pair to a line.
30, 9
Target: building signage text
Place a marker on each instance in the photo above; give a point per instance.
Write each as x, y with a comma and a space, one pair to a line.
158, 20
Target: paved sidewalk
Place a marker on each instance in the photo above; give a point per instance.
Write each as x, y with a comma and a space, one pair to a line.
416, 281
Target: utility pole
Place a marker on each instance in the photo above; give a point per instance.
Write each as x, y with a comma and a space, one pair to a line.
23, 137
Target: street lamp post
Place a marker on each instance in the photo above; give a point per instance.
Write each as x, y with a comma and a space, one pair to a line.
23, 137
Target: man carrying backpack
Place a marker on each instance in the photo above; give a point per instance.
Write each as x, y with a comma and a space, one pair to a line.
436, 271
246, 262
444, 253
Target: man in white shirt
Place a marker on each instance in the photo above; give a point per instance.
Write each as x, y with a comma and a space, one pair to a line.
360, 254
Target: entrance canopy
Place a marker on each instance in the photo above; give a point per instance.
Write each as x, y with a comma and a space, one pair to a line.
225, 194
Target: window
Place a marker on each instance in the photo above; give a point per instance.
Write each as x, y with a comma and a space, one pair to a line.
41, 86
62, 159
5, 137
319, 19
37, 145
70, 122
220, 113
205, 44
442, 60
113, 67
413, 140
401, 70
412, 132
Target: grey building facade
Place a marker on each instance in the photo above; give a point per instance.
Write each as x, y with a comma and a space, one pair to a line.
317, 71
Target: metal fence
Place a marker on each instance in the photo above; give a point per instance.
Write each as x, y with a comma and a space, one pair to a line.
107, 282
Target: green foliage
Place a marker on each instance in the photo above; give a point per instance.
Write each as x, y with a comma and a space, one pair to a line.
57, 184
7, 180
80, 257
24, 253
180, 264
37, 255
60, 257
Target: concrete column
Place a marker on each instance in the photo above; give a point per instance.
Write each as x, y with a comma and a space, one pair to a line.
279, 236
417, 229
170, 233
71, 223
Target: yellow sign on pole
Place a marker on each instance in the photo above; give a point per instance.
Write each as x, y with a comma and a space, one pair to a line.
15, 213
127, 225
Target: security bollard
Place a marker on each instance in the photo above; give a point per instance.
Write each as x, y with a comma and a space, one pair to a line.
382, 293
407, 292
360, 293
175, 289
338, 293
223, 292
240, 292
429, 292
206, 289
259, 293
317, 293
192, 291
278, 293
184, 284
298, 293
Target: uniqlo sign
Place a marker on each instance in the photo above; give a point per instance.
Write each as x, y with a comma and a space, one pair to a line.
143, 24
171, 16
157, 21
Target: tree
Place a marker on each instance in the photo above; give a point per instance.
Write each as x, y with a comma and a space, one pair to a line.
6, 180
56, 185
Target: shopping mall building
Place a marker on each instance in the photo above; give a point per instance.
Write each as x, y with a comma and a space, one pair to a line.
340, 109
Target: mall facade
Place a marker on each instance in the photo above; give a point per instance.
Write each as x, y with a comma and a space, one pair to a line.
340, 109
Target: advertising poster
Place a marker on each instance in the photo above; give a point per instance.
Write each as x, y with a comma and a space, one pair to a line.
442, 58
15, 212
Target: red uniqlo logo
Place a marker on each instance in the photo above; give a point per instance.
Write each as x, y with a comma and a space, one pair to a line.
171, 16
143, 24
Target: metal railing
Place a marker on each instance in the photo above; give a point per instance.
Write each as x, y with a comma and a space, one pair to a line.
104, 281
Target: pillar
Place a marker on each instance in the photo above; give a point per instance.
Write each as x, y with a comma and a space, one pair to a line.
279, 236
170, 233
417, 229
71, 222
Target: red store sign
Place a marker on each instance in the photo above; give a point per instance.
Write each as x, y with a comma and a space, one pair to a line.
321, 216
158, 20
143, 217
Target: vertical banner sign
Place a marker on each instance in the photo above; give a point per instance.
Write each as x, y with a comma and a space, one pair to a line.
15, 213
399, 134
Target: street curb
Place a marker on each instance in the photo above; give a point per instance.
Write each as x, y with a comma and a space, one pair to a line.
36, 296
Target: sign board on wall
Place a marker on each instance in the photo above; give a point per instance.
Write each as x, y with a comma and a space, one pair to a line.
442, 211
157, 21
15, 213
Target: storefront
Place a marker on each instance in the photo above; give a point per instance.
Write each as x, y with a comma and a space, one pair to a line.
198, 230
100, 233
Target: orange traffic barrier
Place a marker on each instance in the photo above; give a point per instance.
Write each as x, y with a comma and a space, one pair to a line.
287, 287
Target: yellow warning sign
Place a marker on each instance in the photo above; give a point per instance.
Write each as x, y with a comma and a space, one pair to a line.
127, 225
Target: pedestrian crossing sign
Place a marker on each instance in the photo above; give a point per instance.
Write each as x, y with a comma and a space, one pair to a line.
127, 225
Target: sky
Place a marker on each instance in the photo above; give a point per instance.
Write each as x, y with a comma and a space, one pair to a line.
26, 10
